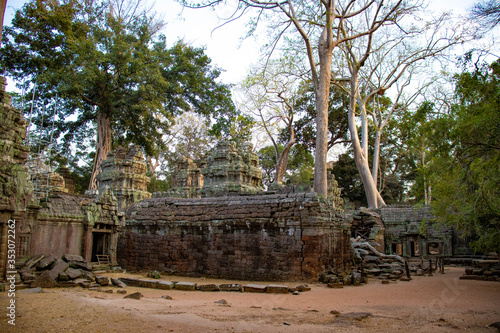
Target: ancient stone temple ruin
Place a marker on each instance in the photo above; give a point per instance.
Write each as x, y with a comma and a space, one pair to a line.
231, 170
216, 221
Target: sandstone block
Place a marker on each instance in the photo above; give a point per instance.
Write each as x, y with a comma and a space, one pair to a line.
255, 288
190, 286
45, 280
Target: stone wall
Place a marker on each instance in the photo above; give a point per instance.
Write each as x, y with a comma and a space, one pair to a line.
264, 237
15, 187
411, 232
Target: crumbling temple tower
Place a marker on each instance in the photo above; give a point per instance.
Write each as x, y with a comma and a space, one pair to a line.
15, 187
231, 170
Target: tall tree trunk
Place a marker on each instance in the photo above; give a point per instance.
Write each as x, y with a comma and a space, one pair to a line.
103, 147
322, 93
3, 5
376, 156
373, 197
283, 160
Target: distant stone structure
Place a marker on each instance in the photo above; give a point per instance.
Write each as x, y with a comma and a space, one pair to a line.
187, 179
231, 170
124, 173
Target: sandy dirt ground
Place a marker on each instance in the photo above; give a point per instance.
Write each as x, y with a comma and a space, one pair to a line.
441, 303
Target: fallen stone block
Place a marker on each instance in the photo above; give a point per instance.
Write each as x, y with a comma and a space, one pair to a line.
335, 285
277, 289
121, 291
222, 301
59, 268
102, 280
28, 277
165, 285
31, 290
45, 280
46, 262
67, 284
208, 287
63, 277
134, 296
231, 287
254, 288
189, 286
303, 288
149, 284
73, 273
73, 257
35, 260
117, 283
131, 282
87, 275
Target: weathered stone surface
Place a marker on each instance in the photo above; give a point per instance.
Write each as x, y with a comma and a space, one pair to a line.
121, 291
80, 264
102, 280
275, 237
208, 287
165, 285
118, 283
255, 288
87, 275
124, 173
35, 260
276, 289
46, 262
303, 288
190, 286
28, 277
230, 287
63, 277
335, 285
149, 284
231, 169
73, 257
60, 267
73, 273
45, 280
222, 301
131, 282
67, 284
31, 290
134, 296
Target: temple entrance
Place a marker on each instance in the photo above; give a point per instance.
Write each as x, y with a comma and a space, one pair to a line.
100, 244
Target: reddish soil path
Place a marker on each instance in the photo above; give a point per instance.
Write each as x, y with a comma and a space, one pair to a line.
441, 303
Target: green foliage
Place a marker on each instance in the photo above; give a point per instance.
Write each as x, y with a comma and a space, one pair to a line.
466, 178
347, 176
305, 109
92, 58
300, 165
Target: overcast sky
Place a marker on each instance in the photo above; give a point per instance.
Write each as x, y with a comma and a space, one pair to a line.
223, 45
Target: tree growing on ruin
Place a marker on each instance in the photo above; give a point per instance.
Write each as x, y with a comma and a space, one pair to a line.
323, 26
269, 95
106, 69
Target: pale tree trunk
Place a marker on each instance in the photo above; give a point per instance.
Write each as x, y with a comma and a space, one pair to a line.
3, 5
376, 156
373, 197
283, 160
103, 147
322, 93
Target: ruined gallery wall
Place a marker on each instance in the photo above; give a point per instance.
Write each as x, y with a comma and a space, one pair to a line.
406, 225
264, 237
57, 225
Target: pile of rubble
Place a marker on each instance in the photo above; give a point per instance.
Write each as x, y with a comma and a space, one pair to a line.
376, 264
371, 264
49, 271
485, 270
